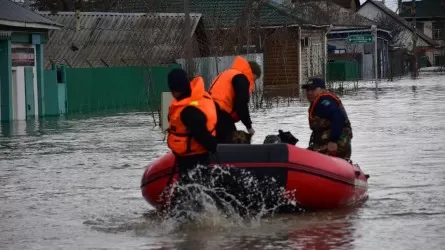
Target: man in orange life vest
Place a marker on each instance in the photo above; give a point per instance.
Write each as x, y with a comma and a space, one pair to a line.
328, 120
231, 92
192, 120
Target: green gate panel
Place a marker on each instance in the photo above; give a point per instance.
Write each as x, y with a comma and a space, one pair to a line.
29, 92
343, 70
51, 93
439, 60
115, 89
5, 81
423, 61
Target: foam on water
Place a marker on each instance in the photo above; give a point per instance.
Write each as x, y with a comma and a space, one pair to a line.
245, 204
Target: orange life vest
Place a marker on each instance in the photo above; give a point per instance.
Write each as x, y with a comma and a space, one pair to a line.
221, 89
179, 140
319, 124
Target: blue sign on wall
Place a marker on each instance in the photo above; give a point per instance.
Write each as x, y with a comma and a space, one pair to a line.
35, 39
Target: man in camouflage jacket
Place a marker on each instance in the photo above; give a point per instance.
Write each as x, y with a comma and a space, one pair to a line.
328, 120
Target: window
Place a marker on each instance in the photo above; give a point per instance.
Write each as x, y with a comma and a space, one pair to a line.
340, 51
305, 42
438, 34
438, 30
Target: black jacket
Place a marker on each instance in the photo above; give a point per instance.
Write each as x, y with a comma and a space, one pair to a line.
195, 122
240, 85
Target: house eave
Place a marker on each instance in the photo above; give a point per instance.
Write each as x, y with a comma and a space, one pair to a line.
29, 25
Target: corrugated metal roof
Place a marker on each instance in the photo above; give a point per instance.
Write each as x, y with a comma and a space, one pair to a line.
216, 13
10, 11
329, 13
117, 39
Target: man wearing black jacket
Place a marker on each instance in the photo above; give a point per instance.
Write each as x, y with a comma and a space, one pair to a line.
231, 91
192, 120
191, 137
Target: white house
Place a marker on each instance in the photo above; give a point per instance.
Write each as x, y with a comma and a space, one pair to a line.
22, 37
378, 12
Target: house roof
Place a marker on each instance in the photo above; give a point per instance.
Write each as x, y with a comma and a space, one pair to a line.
424, 9
400, 20
12, 14
329, 13
117, 39
216, 13
347, 3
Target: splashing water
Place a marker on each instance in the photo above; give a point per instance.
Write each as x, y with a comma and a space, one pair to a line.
222, 196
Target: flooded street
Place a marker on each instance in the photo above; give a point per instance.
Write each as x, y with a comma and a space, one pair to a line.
74, 183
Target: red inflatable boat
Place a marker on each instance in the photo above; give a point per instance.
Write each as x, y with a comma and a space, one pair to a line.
318, 181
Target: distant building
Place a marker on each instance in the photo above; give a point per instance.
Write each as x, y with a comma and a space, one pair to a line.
378, 12
23, 34
401, 30
430, 19
240, 27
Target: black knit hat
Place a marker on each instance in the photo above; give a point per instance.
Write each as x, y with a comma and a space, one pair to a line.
255, 67
178, 81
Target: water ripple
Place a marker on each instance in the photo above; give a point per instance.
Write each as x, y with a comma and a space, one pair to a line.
74, 183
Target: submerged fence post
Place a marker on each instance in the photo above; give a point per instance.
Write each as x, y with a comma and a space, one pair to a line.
374, 33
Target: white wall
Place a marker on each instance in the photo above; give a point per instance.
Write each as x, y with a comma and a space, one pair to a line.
428, 29
166, 100
20, 95
19, 104
369, 11
404, 38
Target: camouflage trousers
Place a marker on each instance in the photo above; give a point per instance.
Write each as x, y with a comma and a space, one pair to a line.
344, 149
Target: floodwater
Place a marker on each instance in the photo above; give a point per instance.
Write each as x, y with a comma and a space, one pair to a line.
74, 184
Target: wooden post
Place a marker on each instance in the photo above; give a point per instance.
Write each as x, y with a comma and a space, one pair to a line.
374, 33
188, 43
413, 14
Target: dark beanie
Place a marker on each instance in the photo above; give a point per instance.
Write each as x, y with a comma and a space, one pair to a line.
256, 69
178, 81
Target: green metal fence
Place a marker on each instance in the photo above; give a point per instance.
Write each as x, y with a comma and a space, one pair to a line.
439, 60
423, 62
114, 89
51, 102
342, 70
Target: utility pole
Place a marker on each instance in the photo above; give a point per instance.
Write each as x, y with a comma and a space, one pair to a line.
188, 42
26, 4
399, 6
375, 55
413, 15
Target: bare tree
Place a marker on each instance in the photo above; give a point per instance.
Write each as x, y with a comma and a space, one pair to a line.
141, 43
396, 30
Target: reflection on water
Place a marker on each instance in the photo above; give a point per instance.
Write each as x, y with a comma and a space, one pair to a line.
74, 183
